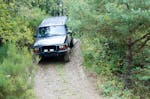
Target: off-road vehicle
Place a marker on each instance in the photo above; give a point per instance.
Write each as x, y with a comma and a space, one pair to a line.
53, 38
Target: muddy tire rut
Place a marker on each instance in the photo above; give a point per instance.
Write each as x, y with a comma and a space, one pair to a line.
56, 79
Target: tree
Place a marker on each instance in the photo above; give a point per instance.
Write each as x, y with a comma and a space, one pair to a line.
129, 24
125, 22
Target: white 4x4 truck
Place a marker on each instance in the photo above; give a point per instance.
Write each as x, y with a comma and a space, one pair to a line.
53, 38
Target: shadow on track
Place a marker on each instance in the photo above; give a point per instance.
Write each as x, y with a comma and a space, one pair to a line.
51, 60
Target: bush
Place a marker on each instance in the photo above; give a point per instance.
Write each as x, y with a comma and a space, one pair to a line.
15, 69
19, 26
113, 88
106, 58
101, 54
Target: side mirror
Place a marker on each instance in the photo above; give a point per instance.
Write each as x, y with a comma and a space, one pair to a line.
69, 32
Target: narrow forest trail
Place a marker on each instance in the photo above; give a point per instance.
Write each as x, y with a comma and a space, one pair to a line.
59, 80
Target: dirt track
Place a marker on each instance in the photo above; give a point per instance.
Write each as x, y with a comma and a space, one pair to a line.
58, 80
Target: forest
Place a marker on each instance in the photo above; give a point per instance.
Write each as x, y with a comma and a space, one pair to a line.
114, 36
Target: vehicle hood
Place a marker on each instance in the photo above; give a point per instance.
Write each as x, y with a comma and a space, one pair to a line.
54, 40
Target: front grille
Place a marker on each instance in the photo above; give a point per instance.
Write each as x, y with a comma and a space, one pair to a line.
49, 48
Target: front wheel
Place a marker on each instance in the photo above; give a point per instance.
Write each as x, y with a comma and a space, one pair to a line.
72, 43
67, 57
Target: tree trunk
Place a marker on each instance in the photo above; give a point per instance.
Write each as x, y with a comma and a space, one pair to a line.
128, 62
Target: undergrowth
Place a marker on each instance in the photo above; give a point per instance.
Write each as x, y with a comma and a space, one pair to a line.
15, 73
101, 57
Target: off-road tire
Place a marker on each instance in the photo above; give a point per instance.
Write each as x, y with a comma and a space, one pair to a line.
67, 57
72, 43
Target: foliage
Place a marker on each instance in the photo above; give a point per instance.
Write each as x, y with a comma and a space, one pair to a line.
51, 7
104, 27
18, 23
15, 70
113, 88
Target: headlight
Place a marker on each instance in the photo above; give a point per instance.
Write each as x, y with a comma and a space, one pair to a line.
62, 47
36, 50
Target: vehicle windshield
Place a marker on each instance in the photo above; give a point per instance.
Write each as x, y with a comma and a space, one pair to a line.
51, 31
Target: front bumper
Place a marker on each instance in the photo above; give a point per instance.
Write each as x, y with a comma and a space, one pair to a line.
50, 54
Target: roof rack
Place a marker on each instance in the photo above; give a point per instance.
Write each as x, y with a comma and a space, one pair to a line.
53, 21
